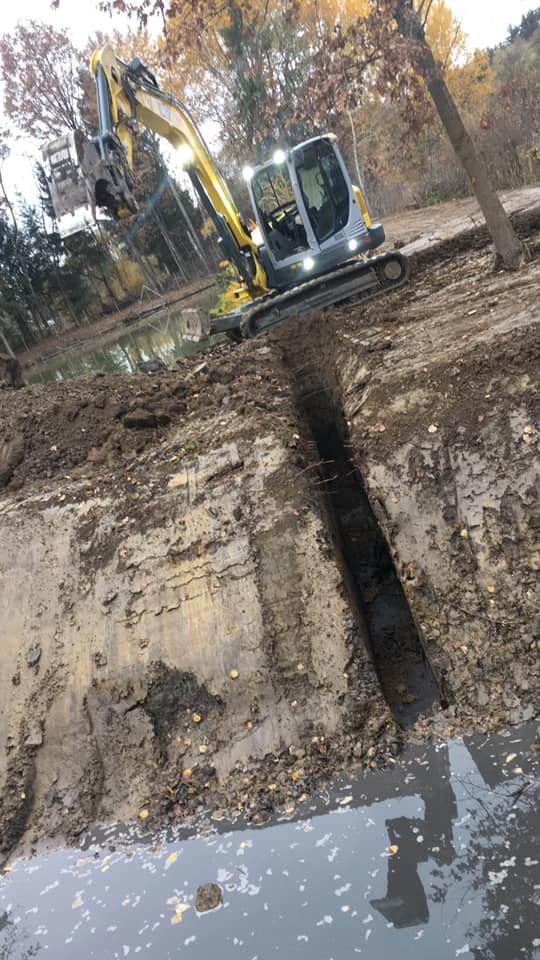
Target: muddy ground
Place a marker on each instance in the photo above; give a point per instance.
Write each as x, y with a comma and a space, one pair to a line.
224, 582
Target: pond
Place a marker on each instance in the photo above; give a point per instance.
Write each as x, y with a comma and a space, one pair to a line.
435, 856
158, 338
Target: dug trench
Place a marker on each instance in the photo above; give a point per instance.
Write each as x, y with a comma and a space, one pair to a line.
270, 564
376, 595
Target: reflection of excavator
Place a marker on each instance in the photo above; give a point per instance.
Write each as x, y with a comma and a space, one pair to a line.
312, 223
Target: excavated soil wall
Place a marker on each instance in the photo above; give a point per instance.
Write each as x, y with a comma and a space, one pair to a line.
222, 583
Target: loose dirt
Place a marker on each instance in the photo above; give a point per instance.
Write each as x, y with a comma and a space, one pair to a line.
193, 640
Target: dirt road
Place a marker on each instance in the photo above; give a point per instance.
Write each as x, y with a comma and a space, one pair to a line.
225, 582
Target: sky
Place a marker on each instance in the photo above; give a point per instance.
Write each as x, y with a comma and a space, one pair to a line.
485, 22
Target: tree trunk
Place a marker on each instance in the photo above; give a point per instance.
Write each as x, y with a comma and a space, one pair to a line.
190, 229
170, 245
509, 251
7, 346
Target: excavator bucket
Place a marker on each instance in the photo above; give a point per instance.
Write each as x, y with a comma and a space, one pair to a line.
71, 164
81, 182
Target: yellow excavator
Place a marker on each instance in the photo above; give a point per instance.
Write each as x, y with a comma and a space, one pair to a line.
311, 229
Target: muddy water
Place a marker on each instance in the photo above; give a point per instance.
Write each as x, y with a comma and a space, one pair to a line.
157, 339
435, 857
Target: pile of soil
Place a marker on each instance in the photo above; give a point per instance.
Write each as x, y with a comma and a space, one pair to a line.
100, 422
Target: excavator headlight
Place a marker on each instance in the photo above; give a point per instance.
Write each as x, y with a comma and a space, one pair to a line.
247, 173
279, 156
353, 244
185, 155
308, 263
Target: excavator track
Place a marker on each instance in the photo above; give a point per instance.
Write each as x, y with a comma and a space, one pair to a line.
356, 280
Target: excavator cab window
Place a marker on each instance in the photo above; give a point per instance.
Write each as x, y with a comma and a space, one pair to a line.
276, 204
324, 188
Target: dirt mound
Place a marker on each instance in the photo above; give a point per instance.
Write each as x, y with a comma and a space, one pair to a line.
101, 421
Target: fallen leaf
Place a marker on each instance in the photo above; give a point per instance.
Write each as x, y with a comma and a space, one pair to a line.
408, 697
234, 674
143, 814
172, 857
393, 848
196, 717
203, 748
528, 430
517, 770
345, 800
510, 757
76, 903
296, 775
178, 914
491, 588
432, 428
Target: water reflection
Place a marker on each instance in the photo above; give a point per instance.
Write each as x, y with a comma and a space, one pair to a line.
418, 840
461, 881
159, 339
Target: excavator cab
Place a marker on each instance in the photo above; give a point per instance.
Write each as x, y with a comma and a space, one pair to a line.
310, 216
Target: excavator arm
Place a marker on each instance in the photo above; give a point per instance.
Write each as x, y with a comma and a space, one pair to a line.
128, 96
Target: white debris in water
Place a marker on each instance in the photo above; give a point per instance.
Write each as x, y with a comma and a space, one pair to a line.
496, 878
461, 950
326, 919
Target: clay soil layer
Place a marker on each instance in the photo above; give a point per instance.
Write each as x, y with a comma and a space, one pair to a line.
196, 594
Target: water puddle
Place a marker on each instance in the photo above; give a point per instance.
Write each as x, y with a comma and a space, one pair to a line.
436, 856
158, 339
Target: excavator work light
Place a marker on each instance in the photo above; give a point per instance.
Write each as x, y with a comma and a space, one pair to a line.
185, 155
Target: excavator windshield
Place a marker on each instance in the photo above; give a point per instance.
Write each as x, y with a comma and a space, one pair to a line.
276, 204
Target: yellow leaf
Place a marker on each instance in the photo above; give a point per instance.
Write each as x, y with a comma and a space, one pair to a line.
7, 869
393, 848
345, 800
172, 857
296, 775
234, 674
517, 770
491, 588
187, 773
196, 717
143, 814
510, 757
178, 914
